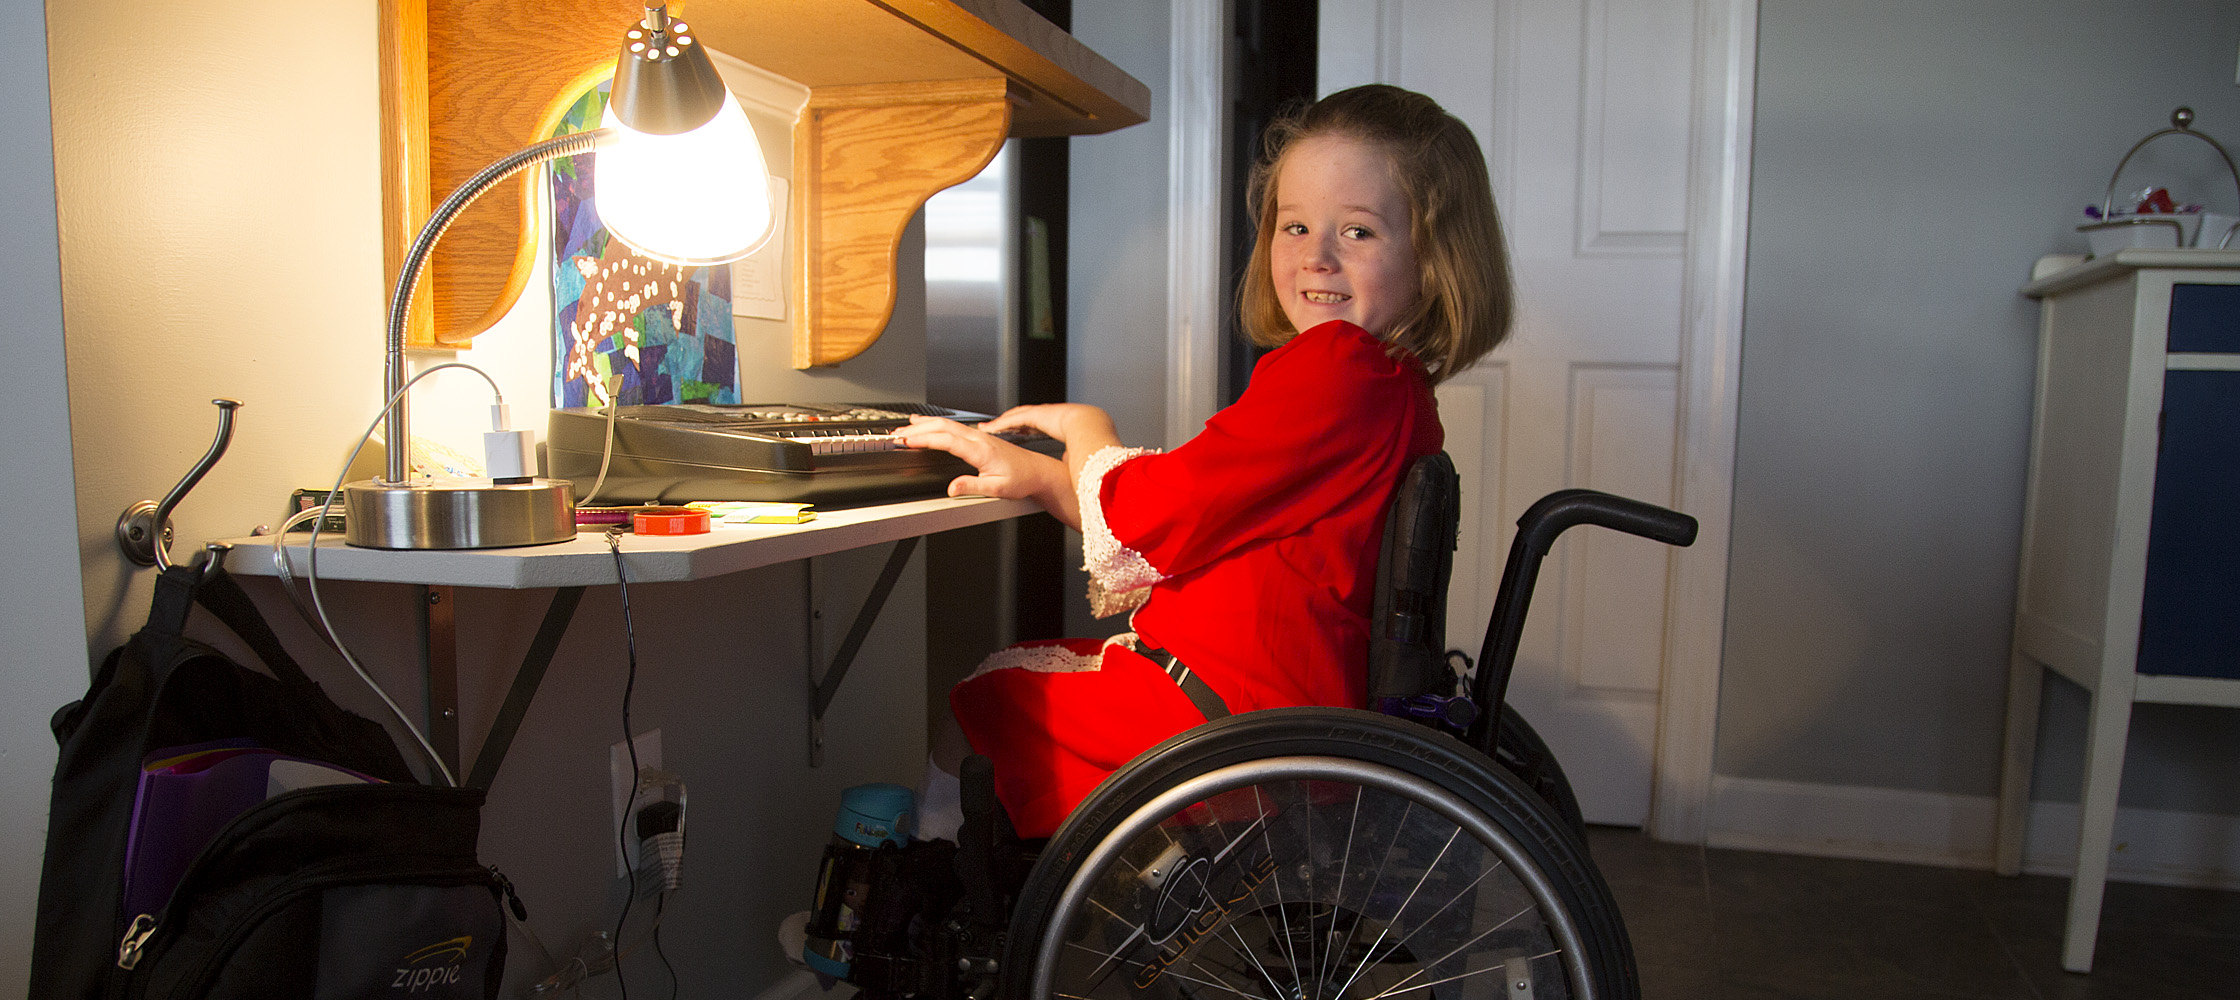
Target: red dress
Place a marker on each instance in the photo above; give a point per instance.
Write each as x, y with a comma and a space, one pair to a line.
1247, 552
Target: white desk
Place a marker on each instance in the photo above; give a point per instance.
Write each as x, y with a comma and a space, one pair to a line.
649, 558
586, 561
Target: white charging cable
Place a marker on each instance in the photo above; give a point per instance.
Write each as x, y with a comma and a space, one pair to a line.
318, 524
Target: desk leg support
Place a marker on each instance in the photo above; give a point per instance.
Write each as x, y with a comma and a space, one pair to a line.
822, 692
2025, 688
2106, 733
524, 689
439, 663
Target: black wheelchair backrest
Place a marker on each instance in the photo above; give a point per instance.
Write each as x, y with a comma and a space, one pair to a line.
1408, 616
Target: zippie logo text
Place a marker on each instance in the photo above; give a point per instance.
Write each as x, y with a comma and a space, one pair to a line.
434, 966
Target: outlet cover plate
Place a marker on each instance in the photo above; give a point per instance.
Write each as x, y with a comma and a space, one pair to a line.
622, 782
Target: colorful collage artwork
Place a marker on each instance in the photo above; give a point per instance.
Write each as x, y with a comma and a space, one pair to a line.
665, 329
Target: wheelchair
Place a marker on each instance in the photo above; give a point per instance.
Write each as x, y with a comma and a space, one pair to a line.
1431, 850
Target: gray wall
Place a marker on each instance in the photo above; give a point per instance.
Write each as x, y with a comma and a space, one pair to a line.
1116, 348
1912, 159
42, 643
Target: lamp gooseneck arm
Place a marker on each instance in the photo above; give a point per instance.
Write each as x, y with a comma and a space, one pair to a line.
395, 428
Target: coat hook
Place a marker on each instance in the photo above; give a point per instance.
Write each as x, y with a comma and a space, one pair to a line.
144, 529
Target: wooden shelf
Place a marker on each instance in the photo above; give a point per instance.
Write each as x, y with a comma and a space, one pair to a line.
906, 97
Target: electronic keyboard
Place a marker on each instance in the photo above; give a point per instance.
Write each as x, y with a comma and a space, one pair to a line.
831, 455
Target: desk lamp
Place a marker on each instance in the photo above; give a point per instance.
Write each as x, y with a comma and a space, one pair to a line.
680, 178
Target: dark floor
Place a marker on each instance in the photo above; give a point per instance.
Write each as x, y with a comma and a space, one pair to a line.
1741, 925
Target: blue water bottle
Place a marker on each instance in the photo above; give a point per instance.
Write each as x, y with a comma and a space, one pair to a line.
870, 816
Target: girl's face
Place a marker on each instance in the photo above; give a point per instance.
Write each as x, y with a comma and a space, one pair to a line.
1341, 247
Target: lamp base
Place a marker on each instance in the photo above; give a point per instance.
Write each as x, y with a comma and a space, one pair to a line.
458, 513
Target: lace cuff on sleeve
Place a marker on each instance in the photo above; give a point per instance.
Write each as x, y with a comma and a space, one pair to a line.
1120, 578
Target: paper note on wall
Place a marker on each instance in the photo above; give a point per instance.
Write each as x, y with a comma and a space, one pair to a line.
758, 281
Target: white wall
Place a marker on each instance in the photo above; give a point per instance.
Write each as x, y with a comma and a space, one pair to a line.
44, 663
219, 219
219, 195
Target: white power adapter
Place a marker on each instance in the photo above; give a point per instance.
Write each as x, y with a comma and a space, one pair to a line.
507, 454
657, 818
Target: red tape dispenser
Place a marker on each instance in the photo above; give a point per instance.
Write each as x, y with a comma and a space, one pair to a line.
669, 521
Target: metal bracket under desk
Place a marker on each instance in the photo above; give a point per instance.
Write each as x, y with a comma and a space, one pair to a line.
524, 687
822, 692
439, 652
439, 668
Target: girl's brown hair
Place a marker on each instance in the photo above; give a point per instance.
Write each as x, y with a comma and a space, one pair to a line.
1462, 262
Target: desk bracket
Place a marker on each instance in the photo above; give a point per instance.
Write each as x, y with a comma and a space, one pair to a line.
439, 662
821, 696
525, 681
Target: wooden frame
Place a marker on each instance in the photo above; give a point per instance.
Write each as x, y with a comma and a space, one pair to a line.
906, 97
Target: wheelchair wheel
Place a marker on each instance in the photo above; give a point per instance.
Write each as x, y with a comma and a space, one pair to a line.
1315, 854
1520, 749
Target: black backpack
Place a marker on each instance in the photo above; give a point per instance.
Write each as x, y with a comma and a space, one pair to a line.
353, 890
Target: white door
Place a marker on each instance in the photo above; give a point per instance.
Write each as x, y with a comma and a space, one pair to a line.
1585, 109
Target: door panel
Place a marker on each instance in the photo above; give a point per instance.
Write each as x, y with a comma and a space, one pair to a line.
1584, 107
1621, 443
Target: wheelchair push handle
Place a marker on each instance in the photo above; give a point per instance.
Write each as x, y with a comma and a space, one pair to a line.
1557, 511
1547, 518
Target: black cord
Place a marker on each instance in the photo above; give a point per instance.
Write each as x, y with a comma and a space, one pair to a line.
661, 903
622, 830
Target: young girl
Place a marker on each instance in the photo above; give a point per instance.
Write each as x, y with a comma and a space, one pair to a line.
1247, 554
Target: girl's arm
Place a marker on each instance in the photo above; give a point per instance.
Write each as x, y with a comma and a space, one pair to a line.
1007, 470
1084, 429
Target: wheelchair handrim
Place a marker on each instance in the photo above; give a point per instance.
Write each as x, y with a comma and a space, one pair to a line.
1314, 767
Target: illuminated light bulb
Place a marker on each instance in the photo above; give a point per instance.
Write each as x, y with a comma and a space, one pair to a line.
697, 197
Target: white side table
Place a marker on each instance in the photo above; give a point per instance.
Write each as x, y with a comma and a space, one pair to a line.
2129, 581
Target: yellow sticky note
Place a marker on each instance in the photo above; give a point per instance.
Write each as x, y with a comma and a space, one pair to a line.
756, 512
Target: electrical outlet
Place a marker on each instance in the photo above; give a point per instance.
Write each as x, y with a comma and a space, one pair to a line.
625, 782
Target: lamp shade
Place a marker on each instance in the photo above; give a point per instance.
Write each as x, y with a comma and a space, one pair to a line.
673, 182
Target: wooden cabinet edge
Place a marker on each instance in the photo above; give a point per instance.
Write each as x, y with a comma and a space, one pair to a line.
1045, 84
856, 188
404, 150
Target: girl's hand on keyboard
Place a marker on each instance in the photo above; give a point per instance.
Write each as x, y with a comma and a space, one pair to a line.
1003, 469
1082, 427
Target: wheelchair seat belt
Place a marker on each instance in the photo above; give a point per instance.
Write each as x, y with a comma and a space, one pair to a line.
1192, 687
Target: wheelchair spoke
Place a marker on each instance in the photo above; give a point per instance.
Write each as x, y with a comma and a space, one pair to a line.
1290, 956
1457, 949
1403, 908
1170, 971
1345, 859
1396, 991
1435, 914
1245, 952
1384, 861
1226, 849
1306, 865
1097, 973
